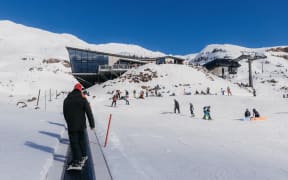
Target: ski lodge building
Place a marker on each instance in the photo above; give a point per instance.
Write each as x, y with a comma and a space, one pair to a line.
90, 67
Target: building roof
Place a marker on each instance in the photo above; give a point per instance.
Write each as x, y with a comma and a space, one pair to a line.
173, 57
111, 54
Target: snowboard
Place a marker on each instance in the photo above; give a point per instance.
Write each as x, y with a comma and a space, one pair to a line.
72, 168
259, 118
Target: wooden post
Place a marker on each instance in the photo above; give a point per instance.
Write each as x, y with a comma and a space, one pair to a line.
38, 98
107, 132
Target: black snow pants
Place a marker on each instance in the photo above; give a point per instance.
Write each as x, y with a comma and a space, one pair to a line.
77, 144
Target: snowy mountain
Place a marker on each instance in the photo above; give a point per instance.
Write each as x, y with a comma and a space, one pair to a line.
147, 139
29, 57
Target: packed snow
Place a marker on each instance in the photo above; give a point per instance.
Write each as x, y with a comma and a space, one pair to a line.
147, 139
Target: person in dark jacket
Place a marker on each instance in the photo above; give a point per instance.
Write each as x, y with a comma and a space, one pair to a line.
75, 107
247, 114
206, 111
176, 106
255, 113
192, 110
254, 92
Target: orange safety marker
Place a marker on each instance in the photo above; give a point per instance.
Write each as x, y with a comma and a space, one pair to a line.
107, 132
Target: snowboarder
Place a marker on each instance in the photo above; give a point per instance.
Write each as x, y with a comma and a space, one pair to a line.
192, 110
176, 106
247, 114
75, 107
255, 113
114, 100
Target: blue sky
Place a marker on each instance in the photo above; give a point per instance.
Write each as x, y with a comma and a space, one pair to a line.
172, 27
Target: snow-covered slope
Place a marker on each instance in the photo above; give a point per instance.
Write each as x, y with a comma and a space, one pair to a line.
170, 78
273, 59
29, 57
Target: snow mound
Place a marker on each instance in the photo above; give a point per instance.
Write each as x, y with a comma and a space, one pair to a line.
171, 78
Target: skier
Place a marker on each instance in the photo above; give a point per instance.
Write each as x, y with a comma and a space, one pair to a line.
192, 110
206, 110
255, 113
114, 99
229, 91
208, 90
75, 107
134, 93
222, 91
176, 106
254, 92
247, 114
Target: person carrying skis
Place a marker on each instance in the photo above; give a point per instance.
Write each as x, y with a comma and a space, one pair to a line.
192, 110
247, 114
176, 106
75, 107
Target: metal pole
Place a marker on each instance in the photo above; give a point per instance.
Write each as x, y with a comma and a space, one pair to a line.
250, 73
262, 67
45, 100
38, 98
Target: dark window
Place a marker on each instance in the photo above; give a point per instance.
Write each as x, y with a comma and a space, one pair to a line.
85, 61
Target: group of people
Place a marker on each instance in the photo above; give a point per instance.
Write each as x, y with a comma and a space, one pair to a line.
117, 96
206, 110
247, 114
229, 93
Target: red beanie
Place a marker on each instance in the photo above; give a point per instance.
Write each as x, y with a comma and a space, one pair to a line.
78, 86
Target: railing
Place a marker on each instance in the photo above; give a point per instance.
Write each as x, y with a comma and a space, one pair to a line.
116, 67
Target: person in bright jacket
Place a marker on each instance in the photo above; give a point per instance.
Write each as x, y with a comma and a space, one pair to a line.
75, 109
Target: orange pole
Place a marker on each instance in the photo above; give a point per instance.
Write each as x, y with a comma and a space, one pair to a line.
107, 132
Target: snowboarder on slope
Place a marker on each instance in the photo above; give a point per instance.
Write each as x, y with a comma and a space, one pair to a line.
75, 107
255, 113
